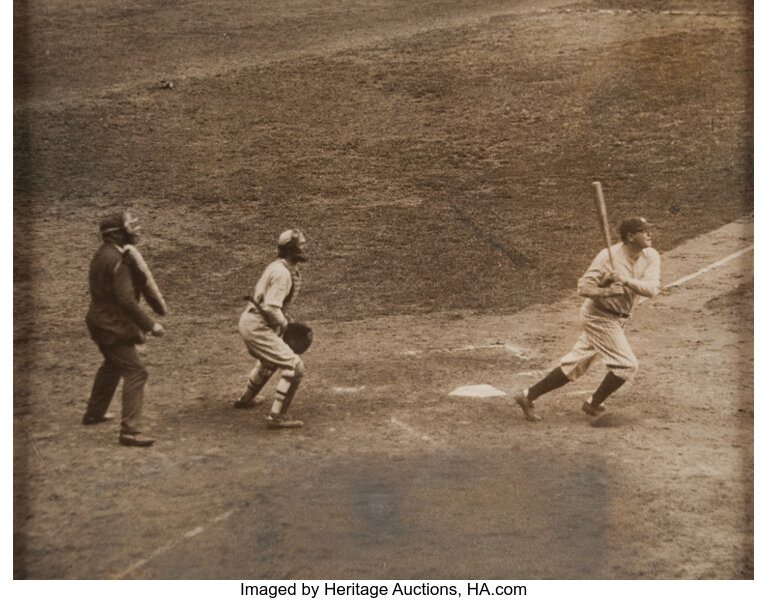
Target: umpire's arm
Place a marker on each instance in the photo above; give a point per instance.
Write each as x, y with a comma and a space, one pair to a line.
125, 295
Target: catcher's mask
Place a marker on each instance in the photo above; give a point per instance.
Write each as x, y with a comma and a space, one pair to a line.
292, 244
120, 222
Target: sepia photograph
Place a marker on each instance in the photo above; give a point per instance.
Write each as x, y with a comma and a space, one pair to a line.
383, 298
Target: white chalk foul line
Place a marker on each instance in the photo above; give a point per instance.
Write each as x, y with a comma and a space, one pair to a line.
713, 265
705, 269
165, 547
515, 350
194, 532
412, 430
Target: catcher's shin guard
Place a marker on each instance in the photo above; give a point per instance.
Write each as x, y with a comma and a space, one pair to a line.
287, 387
258, 377
256, 381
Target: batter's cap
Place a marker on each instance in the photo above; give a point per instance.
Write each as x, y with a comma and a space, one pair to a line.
634, 225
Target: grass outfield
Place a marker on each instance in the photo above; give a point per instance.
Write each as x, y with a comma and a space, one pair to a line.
450, 169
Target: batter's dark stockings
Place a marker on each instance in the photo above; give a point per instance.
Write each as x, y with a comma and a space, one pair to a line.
552, 381
609, 384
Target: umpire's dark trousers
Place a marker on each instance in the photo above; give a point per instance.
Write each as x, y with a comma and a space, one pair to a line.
120, 360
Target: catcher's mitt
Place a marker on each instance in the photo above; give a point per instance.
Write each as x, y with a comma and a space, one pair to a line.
298, 336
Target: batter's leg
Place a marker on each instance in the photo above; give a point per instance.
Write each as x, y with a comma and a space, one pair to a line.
609, 340
555, 379
574, 364
609, 384
552, 381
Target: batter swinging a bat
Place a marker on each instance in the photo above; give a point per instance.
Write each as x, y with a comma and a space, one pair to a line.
612, 285
263, 324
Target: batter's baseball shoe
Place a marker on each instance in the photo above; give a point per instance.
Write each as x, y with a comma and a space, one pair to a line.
527, 406
246, 403
274, 421
592, 411
135, 439
89, 420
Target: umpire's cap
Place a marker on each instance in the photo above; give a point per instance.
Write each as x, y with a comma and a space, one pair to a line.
111, 223
121, 221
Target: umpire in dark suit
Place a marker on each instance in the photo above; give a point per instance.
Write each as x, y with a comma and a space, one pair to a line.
117, 323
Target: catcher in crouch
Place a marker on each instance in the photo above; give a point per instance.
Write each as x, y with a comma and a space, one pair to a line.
263, 326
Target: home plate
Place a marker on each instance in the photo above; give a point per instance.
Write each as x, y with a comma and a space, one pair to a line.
477, 391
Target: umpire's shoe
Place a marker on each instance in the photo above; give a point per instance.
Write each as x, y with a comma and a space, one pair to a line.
89, 420
277, 421
527, 406
135, 439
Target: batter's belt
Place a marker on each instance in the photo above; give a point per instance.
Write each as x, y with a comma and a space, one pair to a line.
612, 312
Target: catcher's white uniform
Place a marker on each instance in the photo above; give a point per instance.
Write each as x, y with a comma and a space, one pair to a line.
261, 326
262, 329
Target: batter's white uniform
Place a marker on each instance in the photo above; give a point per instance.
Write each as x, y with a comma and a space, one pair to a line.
605, 318
278, 286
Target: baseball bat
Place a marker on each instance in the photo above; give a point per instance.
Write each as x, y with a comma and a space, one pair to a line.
602, 212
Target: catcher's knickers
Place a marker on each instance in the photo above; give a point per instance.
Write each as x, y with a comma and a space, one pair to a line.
264, 344
287, 386
602, 336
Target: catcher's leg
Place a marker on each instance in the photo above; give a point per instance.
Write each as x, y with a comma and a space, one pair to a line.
286, 391
256, 381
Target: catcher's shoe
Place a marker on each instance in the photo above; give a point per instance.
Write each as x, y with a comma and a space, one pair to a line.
591, 410
275, 421
527, 406
246, 403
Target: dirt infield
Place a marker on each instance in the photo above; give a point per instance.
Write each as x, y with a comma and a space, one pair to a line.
439, 157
